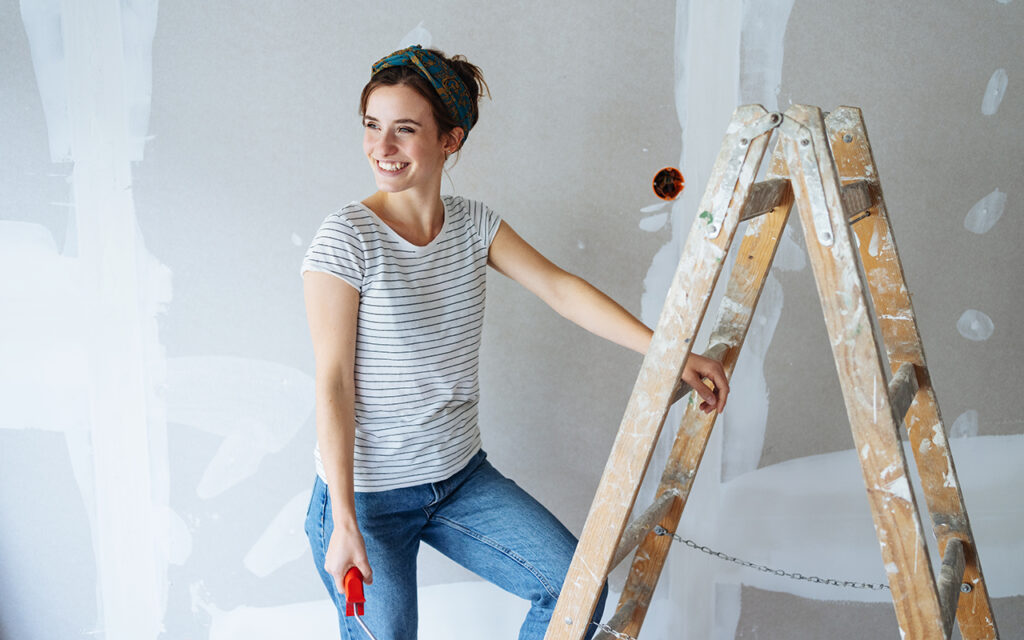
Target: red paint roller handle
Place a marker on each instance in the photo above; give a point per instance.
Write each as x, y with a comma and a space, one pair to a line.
354, 597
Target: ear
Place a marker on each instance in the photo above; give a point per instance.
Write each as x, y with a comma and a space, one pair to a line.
453, 139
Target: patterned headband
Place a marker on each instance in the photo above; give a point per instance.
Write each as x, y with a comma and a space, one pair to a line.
451, 89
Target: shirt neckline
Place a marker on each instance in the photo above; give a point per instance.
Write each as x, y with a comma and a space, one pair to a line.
400, 239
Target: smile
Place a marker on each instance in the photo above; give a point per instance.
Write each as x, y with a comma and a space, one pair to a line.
391, 167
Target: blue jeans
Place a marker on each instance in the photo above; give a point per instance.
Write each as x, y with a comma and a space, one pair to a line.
478, 517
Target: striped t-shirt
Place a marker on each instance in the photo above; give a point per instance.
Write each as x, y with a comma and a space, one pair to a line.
421, 312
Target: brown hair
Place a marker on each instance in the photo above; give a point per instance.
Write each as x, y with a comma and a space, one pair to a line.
469, 73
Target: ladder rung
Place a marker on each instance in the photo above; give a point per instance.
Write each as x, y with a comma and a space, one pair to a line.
858, 197
619, 620
950, 579
902, 389
764, 196
639, 527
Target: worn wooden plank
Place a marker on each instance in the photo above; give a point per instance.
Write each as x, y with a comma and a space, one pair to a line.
902, 389
685, 304
858, 197
764, 197
640, 527
862, 374
746, 282
852, 151
950, 578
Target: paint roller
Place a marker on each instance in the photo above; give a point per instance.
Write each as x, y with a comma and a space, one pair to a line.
354, 598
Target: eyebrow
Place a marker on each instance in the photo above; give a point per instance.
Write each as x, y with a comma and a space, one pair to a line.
399, 121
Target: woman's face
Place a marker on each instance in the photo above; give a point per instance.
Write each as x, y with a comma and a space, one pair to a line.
400, 140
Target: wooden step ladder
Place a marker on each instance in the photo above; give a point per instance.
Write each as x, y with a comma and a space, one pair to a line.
825, 165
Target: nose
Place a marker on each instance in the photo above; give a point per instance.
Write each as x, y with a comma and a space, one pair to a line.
385, 143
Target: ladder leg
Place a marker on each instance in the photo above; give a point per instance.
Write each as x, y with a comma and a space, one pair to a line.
753, 263
695, 278
856, 349
903, 343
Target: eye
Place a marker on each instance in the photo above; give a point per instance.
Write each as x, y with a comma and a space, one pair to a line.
368, 124
406, 130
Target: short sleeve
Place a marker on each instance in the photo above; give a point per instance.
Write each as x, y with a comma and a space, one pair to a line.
485, 220
338, 250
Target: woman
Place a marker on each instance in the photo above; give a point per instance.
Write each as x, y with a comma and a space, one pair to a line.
394, 289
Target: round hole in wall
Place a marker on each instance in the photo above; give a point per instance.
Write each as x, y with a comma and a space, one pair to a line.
668, 183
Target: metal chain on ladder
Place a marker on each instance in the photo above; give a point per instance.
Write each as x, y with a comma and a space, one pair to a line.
661, 531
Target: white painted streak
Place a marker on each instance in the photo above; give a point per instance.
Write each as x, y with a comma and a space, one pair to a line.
994, 92
975, 325
88, 92
653, 223
283, 541
986, 213
257, 406
418, 35
651, 208
810, 516
965, 426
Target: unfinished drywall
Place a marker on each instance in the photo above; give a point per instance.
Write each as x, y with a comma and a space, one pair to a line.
159, 192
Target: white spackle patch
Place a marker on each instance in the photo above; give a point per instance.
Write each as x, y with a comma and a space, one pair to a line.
899, 488
651, 208
296, 240
938, 436
873, 245
994, 92
985, 213
891, 567
966, 426
283, 541
419, 35
975, 325
654, 223
865, 451
949, 480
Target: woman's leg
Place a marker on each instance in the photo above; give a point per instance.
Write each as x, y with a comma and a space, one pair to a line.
390, 522
487, 523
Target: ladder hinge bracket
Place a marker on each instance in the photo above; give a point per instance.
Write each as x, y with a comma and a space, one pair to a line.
744, 137
804, 145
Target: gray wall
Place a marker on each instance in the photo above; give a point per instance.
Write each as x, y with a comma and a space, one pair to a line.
165, 167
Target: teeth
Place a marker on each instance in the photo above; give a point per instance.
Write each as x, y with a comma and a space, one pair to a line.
391, 166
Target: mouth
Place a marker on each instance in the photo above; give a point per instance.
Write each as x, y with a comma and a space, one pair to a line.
391, 168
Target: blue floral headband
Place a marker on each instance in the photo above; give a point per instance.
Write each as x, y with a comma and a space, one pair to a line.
449, 86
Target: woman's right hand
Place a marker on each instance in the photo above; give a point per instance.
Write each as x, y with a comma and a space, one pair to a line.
346, 550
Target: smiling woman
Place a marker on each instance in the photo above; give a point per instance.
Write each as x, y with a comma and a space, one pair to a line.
395, 287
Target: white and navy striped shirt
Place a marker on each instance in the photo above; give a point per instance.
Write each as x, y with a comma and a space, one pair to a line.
421, 312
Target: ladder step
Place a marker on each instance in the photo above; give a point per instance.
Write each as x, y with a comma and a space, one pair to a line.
950, 579
902, 389
639, 527
764, 196
857, 197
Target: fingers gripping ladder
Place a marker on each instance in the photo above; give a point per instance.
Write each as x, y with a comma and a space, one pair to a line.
825, 166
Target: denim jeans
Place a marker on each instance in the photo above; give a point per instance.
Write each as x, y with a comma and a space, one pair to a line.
478, 517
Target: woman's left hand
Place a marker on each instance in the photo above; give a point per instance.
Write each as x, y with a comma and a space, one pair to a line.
699, 369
